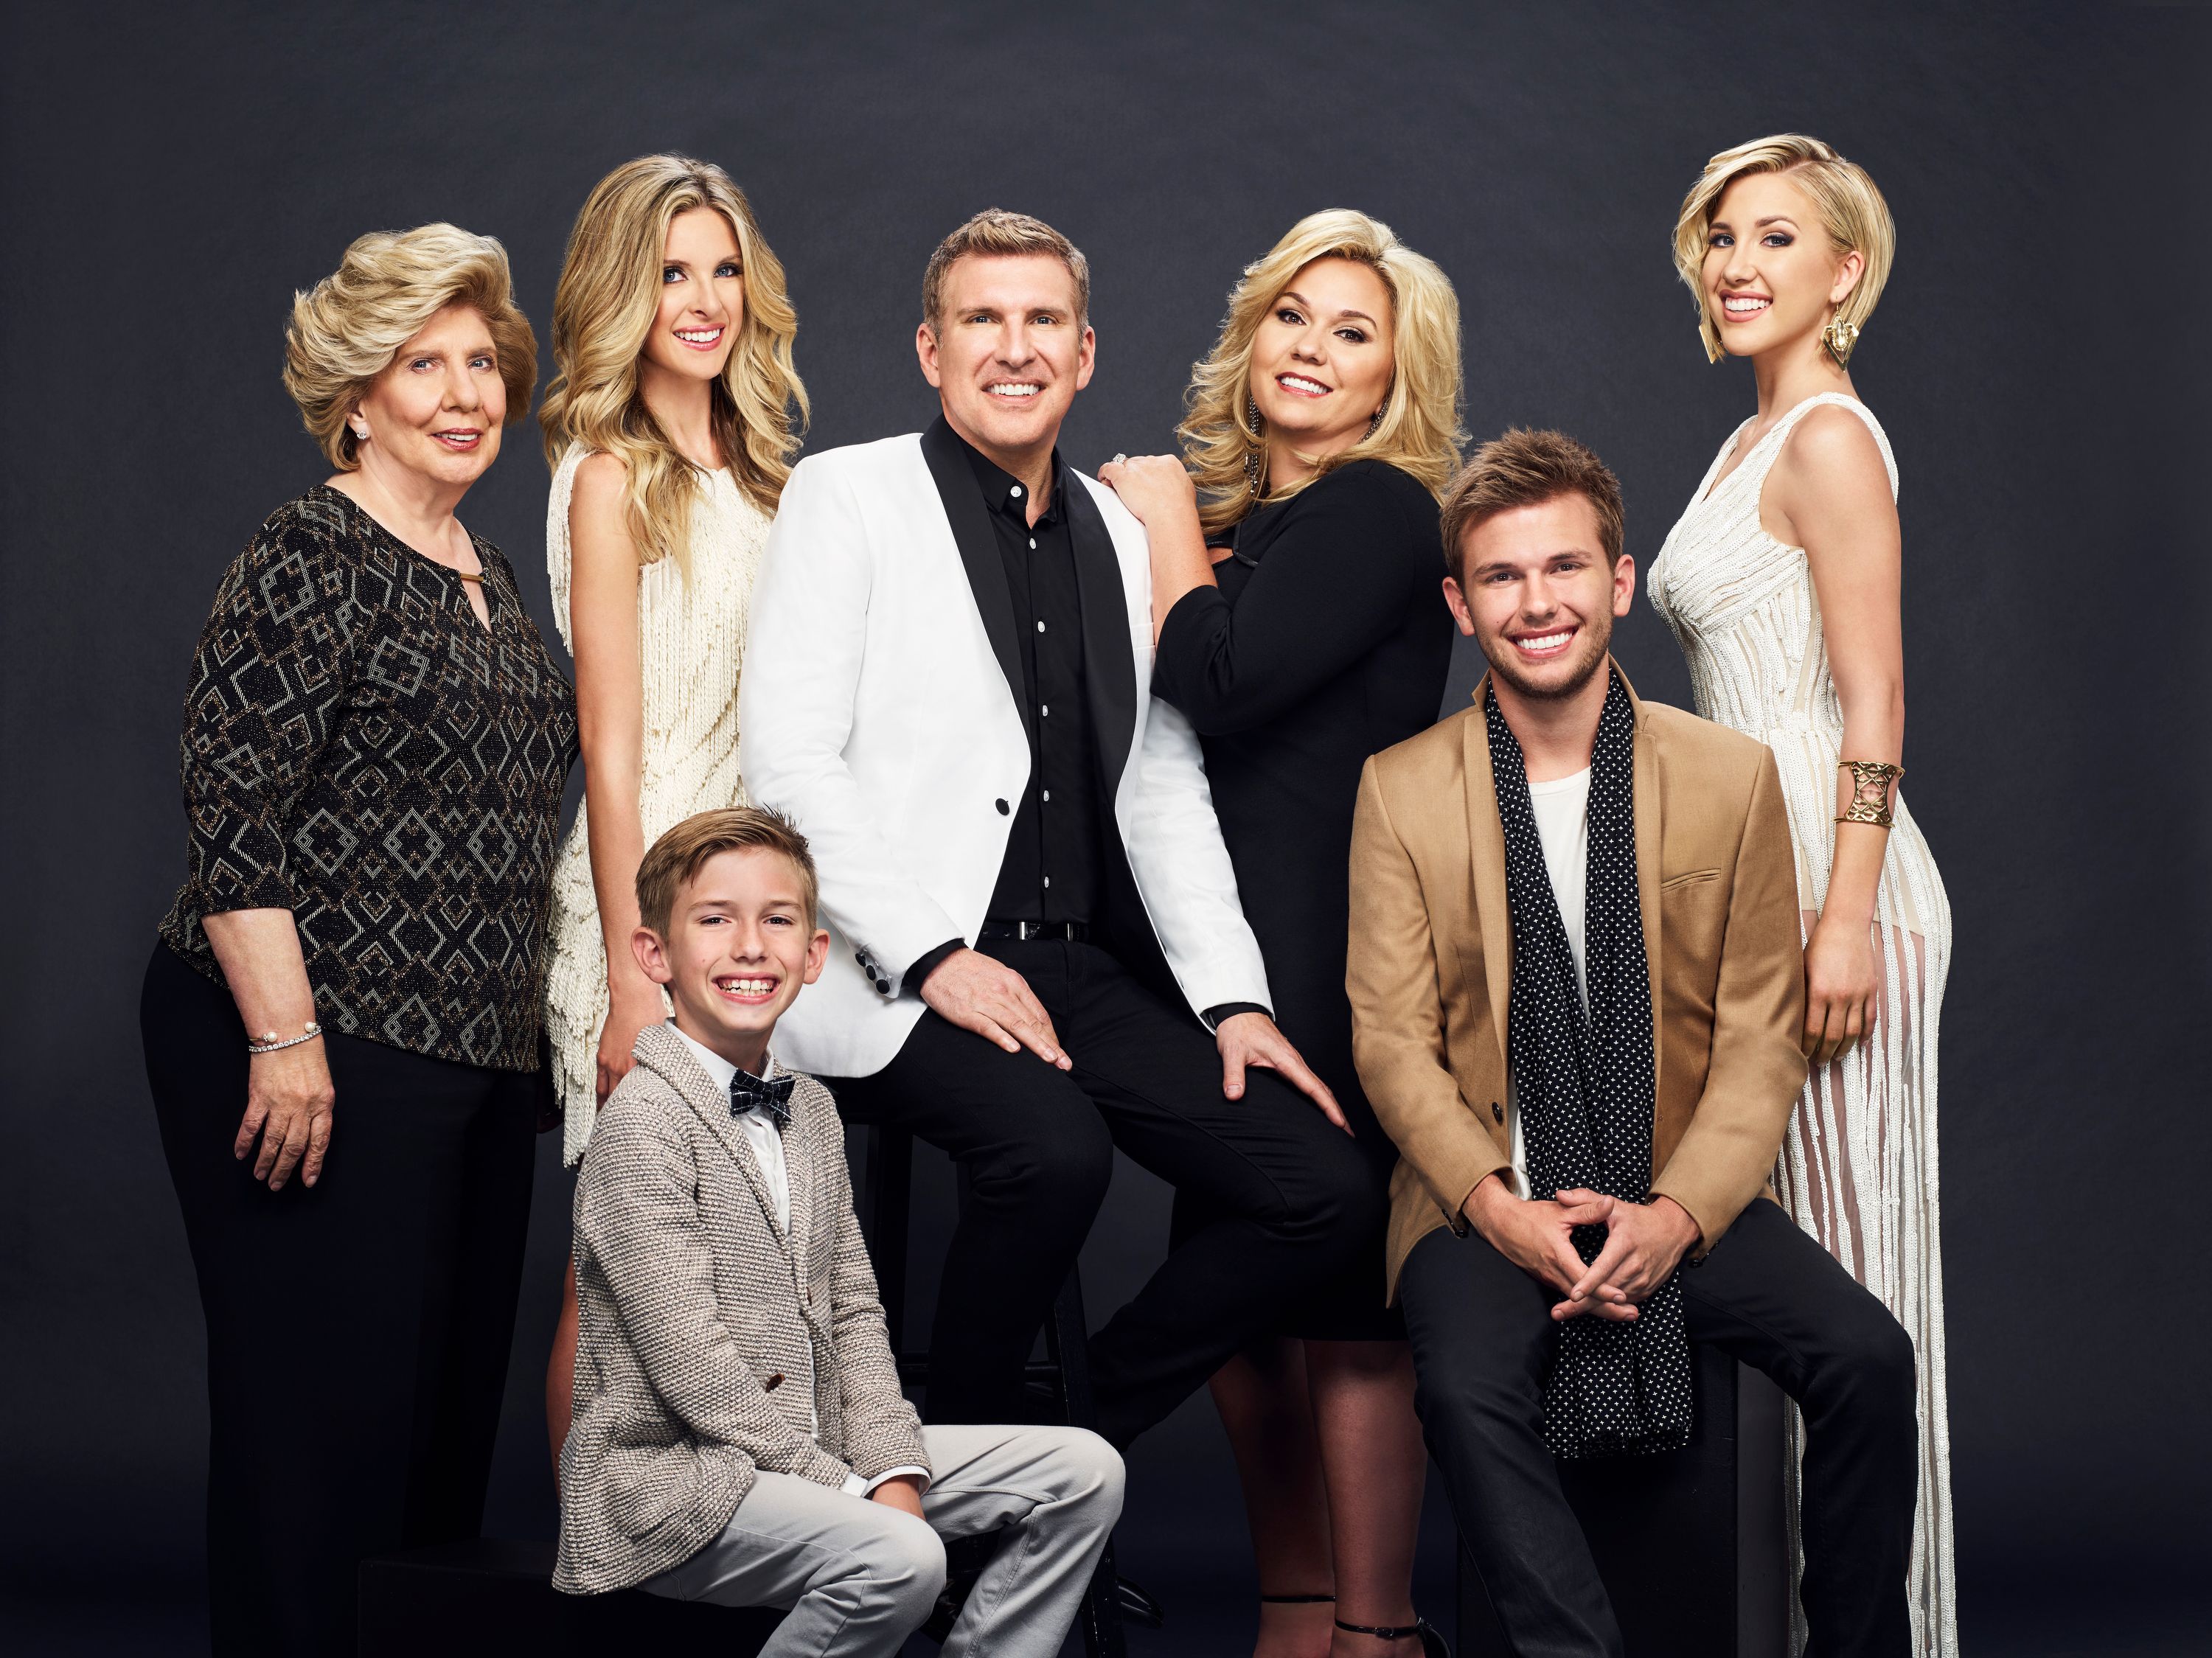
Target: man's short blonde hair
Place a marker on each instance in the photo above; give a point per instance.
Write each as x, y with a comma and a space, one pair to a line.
346, 330
996, 233
674, 861
1527, 469
1853, 215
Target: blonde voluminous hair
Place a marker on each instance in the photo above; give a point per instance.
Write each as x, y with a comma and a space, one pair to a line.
346, 330
1419, 432
1852, 214
604, 306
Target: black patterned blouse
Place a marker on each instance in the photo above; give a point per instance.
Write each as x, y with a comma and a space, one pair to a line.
361, 750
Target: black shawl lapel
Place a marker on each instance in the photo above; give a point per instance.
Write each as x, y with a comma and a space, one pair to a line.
1109, 671
979, 550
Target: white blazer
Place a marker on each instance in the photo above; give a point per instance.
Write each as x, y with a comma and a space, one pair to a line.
876, 709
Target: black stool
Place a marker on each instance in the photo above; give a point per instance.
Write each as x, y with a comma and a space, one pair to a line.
1690, 1544
886, 1203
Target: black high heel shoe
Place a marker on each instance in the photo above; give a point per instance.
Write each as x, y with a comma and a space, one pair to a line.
1432, 1644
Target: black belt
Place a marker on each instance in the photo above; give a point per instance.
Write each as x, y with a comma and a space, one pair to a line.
1074, 932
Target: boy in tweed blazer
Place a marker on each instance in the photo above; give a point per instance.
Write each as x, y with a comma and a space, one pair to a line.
739, 1436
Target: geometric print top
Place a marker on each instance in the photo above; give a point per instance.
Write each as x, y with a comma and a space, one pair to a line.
359, 749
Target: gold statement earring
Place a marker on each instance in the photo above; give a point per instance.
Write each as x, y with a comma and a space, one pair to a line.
1252, 446
1840, 338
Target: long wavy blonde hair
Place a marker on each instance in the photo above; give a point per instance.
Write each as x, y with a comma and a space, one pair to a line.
1419, 432
608, 296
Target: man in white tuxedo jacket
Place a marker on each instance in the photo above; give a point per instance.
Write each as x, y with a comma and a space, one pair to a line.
1038, 952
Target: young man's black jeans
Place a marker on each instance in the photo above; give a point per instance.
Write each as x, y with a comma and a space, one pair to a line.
1484, 1342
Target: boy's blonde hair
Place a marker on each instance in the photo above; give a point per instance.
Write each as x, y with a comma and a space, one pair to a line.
673, 861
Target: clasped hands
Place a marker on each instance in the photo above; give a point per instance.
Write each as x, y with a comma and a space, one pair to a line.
981, 994
1644, 1242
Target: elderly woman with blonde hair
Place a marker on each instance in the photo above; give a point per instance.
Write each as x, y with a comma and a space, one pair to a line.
671, 425
342, 1017
1300, 623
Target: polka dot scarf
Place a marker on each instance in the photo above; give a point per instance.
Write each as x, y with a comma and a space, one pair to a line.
1586, 1084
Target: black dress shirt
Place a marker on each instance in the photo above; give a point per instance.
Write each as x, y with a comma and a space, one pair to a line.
1052, 869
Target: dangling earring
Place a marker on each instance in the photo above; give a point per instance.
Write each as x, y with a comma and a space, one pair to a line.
1252, 447
1374, 423
1840, 338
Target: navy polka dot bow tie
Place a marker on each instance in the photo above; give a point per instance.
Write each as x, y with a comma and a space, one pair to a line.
774, 1097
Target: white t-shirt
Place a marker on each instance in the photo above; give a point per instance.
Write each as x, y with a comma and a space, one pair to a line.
1562, 810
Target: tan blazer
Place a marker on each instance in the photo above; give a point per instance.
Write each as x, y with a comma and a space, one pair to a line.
1431, 968
702, 1321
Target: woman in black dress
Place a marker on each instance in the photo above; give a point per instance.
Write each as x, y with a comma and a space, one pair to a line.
1300, 627
341, 1018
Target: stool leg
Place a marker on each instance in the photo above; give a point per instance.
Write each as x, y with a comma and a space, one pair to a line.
1067, 1342
886, 1199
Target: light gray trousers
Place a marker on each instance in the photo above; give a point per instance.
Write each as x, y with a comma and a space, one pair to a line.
860, 1577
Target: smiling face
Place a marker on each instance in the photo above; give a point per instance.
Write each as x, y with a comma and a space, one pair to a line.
438, 408
1322, 358
1537, 593
1770, 276
1008, 353
740, 946
702, 297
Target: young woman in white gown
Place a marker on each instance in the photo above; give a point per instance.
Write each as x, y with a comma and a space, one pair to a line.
671, 425
1782, 582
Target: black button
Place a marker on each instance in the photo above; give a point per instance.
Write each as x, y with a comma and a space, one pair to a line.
1496, 1111
1003, 807
772, 1382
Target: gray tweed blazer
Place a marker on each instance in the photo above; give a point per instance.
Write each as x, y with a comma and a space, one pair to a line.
701, 1322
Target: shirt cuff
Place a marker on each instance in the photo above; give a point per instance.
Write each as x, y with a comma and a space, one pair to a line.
927, 963
1213, 1016
856, 1486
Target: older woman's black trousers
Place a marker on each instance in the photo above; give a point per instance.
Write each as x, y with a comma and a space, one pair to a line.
358, 1331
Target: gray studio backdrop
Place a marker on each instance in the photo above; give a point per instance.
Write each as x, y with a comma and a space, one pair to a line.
172, 175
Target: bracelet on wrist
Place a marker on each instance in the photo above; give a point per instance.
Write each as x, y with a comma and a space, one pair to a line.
269, 1043
1872, 783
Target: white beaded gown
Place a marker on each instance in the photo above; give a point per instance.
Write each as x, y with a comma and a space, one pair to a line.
1859, 1166
691, 637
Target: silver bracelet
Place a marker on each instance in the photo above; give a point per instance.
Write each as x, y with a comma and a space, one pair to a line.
269, 1044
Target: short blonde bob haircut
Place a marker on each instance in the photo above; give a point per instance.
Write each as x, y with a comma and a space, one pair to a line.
1419, 432
604, 307
347, 329
1852, 214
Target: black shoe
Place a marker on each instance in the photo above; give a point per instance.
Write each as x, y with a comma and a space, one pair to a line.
1432, 1644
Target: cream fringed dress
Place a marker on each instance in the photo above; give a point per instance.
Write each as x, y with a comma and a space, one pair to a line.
1859, 1167
691, 635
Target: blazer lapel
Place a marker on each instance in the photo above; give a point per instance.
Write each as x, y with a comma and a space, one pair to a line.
1486, 838
1109, 670
979, 551
1649, 823
668, 1055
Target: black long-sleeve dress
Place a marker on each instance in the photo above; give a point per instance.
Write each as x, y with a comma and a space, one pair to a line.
1327, 640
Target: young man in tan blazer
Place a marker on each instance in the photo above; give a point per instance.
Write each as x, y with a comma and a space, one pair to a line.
1577, 997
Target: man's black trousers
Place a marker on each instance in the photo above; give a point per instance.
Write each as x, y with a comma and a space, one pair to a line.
1484, 1342
1291, 1195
